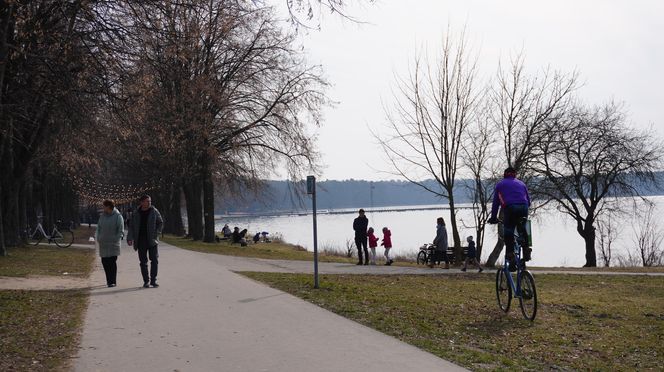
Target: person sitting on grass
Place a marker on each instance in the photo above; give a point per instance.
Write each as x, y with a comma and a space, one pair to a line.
373, 243
226, 231
387, 244
257, 238
238, 237
471, 255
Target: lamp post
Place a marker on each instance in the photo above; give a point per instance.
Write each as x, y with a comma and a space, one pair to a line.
311, 190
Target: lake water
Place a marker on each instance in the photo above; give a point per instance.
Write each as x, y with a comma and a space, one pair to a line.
555, 240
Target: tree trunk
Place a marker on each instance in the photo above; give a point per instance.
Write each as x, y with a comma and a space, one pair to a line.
3, 249
208, 200
589, 238
192, 195
497, 250
176, 224
458, 250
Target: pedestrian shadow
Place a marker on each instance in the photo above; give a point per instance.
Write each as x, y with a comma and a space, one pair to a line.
114, 291
249, 300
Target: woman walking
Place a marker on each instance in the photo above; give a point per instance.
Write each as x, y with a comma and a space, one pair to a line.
110, 231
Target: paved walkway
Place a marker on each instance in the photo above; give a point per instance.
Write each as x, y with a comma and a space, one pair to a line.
204, 317
285, 266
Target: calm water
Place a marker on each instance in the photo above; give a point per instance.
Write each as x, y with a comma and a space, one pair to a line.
555, 240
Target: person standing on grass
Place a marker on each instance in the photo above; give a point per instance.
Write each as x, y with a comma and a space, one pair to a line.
387, 243
373, 243
471, 255
440, 241
110, 231
360, 225
144, 231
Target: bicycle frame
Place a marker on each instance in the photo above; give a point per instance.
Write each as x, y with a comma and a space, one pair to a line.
516, 287
40, 228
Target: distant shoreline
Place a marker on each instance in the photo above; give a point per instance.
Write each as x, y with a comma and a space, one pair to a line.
408, 208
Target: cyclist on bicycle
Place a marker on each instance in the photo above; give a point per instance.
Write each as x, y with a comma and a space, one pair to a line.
511, 194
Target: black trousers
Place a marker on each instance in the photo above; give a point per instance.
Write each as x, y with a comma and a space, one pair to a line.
143, 254
361, 244
513, 215
110, 269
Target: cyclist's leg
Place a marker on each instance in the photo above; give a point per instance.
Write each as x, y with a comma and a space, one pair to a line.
521, 211
509, 224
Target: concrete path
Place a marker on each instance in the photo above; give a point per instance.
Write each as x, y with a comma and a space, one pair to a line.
285, 266
204, 317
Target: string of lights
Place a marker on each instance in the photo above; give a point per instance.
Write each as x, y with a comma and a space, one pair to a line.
94, 192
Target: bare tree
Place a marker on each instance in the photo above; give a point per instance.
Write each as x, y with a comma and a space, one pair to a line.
480, 160
607, 233
428, 125
648, 237
523, 105
592, 163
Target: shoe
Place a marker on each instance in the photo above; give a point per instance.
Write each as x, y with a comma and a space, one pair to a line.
527, 253
359, 263
464, 269
111, 285
480, 270
512, 266
386, 264
146, 285
391, 262
154, 284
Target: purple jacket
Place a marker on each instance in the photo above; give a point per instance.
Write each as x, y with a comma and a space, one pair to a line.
509, 191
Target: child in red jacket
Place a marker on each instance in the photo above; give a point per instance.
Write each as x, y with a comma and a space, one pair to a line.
373, 243
387, 243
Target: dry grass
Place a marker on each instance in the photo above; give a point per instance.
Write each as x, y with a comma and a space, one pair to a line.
583, 323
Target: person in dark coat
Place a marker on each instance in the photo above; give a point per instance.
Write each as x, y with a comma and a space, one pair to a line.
143, 233
441, 243
360, 225
471, 255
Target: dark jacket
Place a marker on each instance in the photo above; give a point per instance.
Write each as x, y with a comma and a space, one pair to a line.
155, 225
441, 238
360, 225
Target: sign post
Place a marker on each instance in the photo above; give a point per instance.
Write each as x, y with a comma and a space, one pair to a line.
311, 190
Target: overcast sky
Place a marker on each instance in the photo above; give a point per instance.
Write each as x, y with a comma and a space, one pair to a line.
617, 46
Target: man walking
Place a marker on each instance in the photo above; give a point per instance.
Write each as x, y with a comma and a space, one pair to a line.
360, 225
144, 230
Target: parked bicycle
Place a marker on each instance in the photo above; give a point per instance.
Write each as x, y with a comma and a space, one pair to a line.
520, 284
63, 237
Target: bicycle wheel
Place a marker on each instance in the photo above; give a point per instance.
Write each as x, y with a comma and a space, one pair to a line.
64, 238
34, 236
422, 258
528, 298
503, 291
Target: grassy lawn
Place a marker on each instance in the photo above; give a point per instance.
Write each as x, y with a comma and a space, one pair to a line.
584, 322
47, 260
83, 233
273, 250
40, 329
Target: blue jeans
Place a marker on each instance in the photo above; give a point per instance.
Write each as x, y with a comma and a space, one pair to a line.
512, 214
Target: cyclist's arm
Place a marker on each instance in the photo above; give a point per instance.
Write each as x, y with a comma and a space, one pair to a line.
495, 205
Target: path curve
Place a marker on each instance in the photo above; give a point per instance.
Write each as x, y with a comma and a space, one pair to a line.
204, 317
